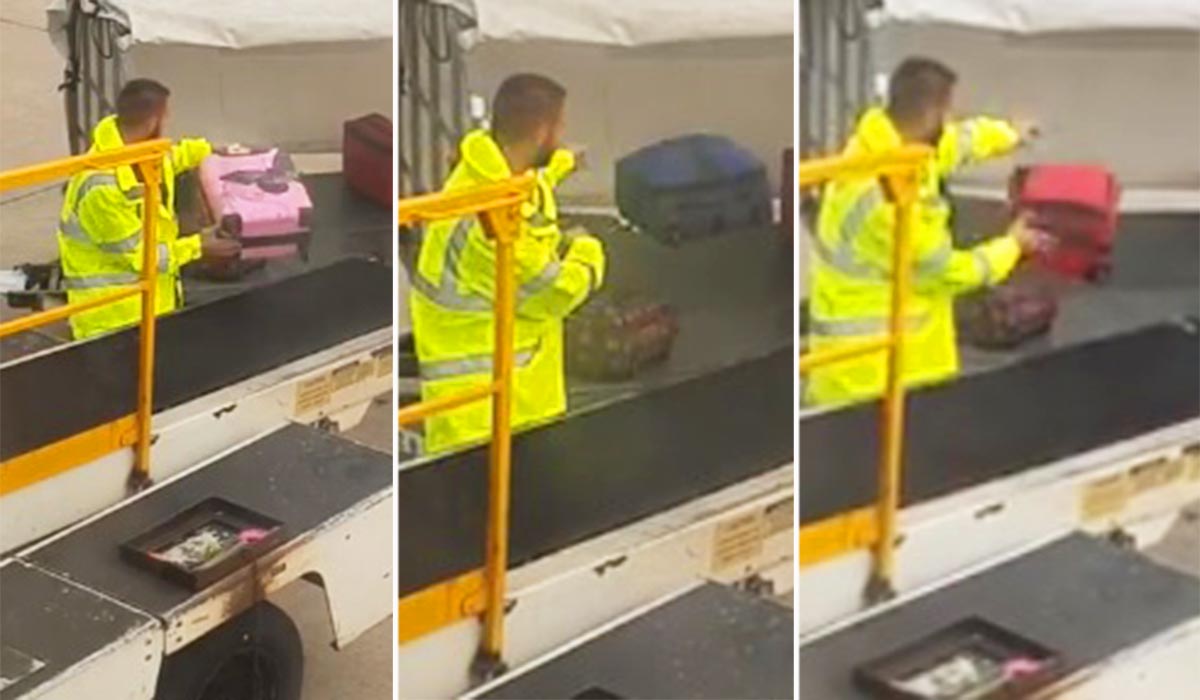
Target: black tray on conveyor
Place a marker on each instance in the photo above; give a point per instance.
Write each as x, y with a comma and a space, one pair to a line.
204, 543
973, 658
200, 349
994, 424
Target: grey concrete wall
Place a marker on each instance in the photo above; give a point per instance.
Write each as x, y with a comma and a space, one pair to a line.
295, 96
625, 98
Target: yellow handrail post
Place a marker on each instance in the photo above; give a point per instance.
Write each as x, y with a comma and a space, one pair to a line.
498, 207
901, 168
503, 226
147, 157
139, 477
891, 461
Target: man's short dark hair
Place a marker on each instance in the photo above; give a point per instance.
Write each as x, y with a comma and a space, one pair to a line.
917, 85
140, 100
524, 103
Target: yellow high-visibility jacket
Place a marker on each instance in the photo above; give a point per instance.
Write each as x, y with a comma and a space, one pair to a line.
850, 292
452, 295
100, 235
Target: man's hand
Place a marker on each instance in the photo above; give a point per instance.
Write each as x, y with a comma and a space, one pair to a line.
581, 159
216, 248
1029, 130
572, 233
1031, 239
569, 236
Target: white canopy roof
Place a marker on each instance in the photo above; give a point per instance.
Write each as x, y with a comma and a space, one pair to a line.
238, 24
626, 22
1033, 16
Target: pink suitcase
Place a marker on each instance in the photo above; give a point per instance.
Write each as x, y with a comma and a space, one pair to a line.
258, 199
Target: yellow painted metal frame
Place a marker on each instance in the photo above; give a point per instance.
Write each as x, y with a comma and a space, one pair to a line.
498, 208
45, 462
901, 168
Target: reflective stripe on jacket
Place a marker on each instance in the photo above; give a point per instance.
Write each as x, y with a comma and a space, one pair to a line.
452, 295
100, 234
850, 270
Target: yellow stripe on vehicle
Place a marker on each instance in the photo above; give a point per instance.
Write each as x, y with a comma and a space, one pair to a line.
58, 457
440, 605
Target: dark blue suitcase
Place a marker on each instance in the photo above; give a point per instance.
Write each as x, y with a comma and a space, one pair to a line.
693, 187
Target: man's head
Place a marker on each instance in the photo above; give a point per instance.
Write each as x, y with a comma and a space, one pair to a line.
142, 109
529, 116
920, 93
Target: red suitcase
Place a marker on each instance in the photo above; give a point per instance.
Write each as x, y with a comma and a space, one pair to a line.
367, 157
1077, 204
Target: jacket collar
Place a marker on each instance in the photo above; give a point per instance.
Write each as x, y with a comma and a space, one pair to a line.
482, 157
107, 137
875, 133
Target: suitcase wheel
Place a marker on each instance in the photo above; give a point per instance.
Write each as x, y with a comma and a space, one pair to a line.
232, 224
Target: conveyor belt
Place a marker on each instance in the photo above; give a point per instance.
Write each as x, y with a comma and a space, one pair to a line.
599, 469
298, 475
200, 349
1080, 596
341, 214
1002, 422
51, 624
712, 642
733, 294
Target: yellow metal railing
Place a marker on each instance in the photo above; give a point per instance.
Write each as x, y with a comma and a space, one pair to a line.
901, 168
498, 209
147, 156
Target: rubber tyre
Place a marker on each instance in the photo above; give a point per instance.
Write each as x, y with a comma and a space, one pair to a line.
255, 656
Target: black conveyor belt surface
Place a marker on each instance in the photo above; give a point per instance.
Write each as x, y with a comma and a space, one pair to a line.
599, 469
1083, 597
994, 424
53, 622
733, 295
200, 349
712, 642
298, 475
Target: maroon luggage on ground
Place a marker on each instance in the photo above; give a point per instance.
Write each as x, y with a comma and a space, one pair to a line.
1077, 204
367, 157
612, 339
